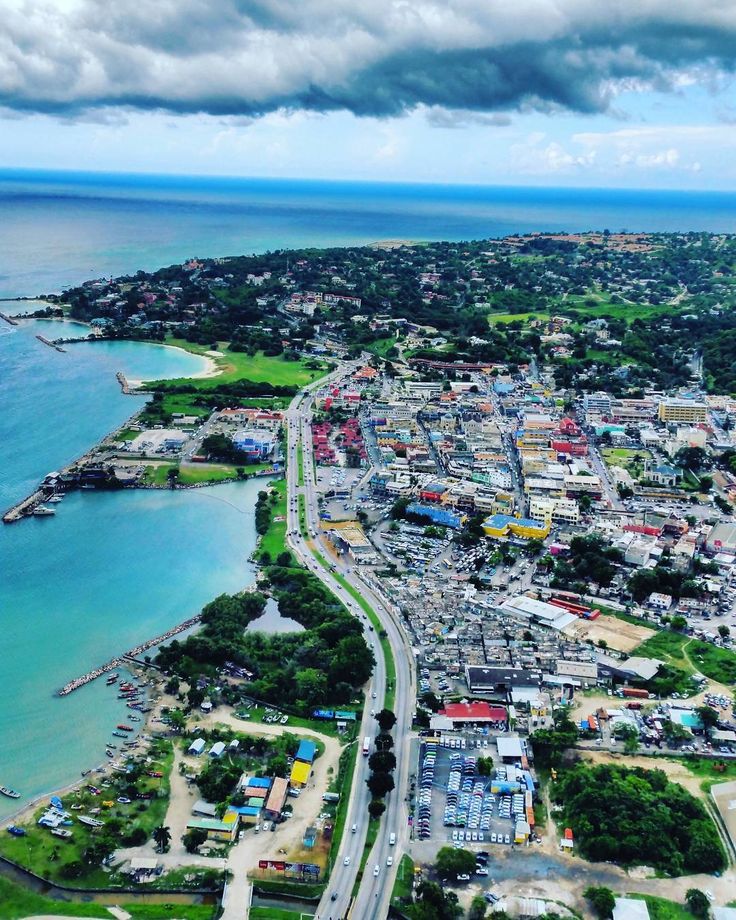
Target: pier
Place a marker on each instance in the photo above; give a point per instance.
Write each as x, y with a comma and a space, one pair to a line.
123, 381
24, 508
8, 319
121, 659
42, 338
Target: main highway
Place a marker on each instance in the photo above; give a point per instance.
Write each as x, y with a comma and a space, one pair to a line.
374, 893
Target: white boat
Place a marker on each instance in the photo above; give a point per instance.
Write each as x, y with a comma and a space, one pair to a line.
43, 511
55, 499
90, 822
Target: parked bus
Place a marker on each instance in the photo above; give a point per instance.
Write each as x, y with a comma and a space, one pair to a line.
366, 746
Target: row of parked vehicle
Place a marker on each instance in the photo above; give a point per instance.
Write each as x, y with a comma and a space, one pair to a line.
424, 798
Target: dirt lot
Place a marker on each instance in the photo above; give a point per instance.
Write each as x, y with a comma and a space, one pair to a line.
618, 634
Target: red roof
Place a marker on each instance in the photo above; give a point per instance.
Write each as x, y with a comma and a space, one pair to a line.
474, 712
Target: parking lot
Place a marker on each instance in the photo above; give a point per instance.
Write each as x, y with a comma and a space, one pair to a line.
456, 804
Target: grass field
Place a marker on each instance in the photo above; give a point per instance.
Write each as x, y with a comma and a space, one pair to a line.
404, 880
17, 902
197, 473
273, 540
662, 909
277, 913
710, 771
691, 655
589, 306
260, 368
631, 460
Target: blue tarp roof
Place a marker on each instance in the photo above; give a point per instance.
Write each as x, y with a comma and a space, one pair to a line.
306, 751
260, 782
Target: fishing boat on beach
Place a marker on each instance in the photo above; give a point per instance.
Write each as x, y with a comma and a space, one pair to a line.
15, 831
10, 793
91, 822
60, 832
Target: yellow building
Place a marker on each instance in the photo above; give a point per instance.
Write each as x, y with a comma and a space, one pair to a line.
300, 773
503, 525
682, 410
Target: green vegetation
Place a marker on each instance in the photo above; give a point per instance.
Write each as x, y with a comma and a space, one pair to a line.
18, 902
711, 771
632, 816
589, 560
197, 473
404, 882
662, 908
323, 665
275, 913
77, 860
273, 538
691, 655
602, 901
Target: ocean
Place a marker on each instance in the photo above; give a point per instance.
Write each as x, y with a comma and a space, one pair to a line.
58, 229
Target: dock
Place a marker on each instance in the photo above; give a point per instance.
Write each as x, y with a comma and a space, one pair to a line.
42, 338
8, 319
127, 656
123, 381
23, 508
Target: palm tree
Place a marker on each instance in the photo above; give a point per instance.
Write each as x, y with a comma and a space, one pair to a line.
162, 836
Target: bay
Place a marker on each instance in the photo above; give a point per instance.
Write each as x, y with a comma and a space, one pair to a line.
109, 570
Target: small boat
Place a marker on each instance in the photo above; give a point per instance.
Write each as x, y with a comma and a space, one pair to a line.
119, 734
110, 754
58, 832
55, 499
111, 679
15, 831
86, 772
43, 511
10, 793
125, 728
56, 802
91, 822
135, 718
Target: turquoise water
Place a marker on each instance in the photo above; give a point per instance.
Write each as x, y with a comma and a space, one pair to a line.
110, 570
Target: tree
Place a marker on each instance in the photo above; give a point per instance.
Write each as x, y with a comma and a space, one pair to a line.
678, 623
533, 547
194, 839
629, 734
379, 784
601, 899
477, 909
384, 742
162, 837
172, 476
178, 720
451, 862
697, 903
723, 631
376, 808
386, 720
382, 762
709, 718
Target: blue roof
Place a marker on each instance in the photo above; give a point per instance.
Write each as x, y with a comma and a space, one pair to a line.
306, 751
497, 520
248, 810
260, 782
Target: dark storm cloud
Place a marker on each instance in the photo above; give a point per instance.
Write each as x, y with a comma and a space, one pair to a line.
370, 57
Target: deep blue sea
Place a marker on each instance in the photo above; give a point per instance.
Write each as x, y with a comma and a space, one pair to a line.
111, 570
58, 229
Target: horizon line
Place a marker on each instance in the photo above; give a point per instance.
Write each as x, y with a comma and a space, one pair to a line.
6, 171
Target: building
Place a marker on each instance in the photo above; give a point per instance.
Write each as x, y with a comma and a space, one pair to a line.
276, 799
217, 749
597, 404
503, 525
634, 668
479, 713
256, 443
510, 748
158, 441
586, 671
196, 747
437, 515
500, 679
306, 751
350, 538
685, 411
300, 773
659, 601
722, 539
224, 830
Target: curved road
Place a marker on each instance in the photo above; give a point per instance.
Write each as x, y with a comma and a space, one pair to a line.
373, 897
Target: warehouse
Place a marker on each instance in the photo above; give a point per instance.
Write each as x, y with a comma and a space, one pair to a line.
300, 774
724, 797
276, 798
461, 714
501, 679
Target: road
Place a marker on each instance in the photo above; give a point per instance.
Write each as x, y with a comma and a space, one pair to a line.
374, 894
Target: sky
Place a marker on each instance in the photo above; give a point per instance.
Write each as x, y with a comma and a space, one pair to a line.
629, 93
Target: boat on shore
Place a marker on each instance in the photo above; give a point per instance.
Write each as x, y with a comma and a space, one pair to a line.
60, 832
10, 793
15, 830
90, 822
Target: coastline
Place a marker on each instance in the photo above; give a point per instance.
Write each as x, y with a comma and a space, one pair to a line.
213, 369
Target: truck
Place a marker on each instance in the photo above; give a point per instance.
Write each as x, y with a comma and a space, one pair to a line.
637, 692
366, 746
331, 797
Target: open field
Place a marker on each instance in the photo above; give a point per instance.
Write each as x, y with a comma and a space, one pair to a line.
260, 368
662, 909
196, 473
589, 306
617, 634
273, 540
691, 655
630, 460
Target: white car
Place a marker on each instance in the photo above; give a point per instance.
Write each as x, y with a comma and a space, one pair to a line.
389, 860
376, 869
346, 861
